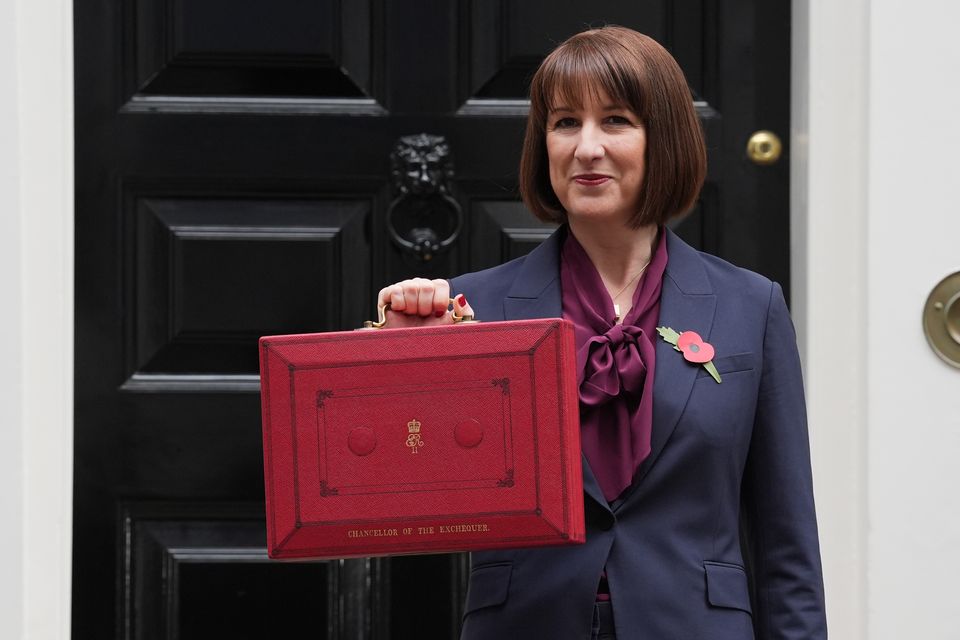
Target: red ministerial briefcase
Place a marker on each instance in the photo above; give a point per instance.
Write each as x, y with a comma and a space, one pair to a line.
422, 440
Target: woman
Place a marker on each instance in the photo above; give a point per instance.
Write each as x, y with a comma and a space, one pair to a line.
691, 482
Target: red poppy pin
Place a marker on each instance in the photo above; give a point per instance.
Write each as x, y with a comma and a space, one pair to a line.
693, 348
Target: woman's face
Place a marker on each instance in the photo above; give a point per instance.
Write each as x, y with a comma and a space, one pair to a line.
596, 156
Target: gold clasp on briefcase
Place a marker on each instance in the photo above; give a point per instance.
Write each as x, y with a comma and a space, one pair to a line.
382, 321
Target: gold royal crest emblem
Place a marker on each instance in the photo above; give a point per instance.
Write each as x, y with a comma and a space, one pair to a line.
413, 437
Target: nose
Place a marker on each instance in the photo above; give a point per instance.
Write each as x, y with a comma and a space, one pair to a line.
590, 144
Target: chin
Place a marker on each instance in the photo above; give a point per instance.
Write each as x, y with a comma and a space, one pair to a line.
596, 212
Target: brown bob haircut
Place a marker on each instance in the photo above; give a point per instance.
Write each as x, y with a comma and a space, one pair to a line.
638, 73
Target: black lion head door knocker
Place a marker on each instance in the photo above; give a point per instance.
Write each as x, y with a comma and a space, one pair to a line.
423, 218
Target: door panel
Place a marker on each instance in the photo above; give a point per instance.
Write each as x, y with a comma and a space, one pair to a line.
201, 571
233, 179
215, 48
211, 276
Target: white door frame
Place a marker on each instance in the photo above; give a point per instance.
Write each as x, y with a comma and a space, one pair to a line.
828, 205
36, 366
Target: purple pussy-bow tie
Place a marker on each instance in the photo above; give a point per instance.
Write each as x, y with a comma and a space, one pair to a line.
613, 362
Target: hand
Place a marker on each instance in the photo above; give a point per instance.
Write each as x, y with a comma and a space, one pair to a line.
420, 302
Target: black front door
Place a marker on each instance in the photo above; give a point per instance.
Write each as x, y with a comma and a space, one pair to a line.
234, 179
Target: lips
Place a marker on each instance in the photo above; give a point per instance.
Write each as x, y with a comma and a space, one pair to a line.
591, 179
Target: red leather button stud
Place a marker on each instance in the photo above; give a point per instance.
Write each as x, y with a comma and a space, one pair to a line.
468, 433
362, 441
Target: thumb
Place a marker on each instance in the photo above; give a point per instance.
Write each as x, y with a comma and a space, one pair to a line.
462, 308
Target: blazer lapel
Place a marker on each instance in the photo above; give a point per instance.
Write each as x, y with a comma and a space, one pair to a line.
536, 294
687, 303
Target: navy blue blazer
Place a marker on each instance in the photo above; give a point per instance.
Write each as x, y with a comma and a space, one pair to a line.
716, 539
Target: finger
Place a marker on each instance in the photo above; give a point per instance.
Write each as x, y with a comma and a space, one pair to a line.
461, 307
397, 299
385, 296
425, 290
441, 297
410, 296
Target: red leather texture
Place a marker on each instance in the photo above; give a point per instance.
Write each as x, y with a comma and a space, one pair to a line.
425, 440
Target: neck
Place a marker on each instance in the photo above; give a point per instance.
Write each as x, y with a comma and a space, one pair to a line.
618, 253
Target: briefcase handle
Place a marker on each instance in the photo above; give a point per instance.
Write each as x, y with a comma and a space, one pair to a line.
382, 313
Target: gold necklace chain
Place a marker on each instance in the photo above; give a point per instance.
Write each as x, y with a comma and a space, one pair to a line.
632, 280
616, 307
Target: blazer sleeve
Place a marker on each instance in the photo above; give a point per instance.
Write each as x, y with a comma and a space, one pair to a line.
782, 545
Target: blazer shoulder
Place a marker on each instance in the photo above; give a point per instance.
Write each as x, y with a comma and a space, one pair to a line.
489, 284
729, 279
695, 272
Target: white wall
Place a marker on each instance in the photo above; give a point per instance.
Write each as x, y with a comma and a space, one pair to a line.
11, 466
913, 235
36, 287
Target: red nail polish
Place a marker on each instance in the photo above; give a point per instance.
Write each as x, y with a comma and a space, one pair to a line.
440, 314
461, 300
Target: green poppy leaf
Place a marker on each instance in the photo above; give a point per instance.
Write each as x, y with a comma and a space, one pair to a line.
669, 335
712, 370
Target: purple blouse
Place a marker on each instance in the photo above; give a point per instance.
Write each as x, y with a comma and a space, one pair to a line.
615, 362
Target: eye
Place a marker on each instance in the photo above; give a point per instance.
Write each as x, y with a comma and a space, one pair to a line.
618, 120
564, 123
